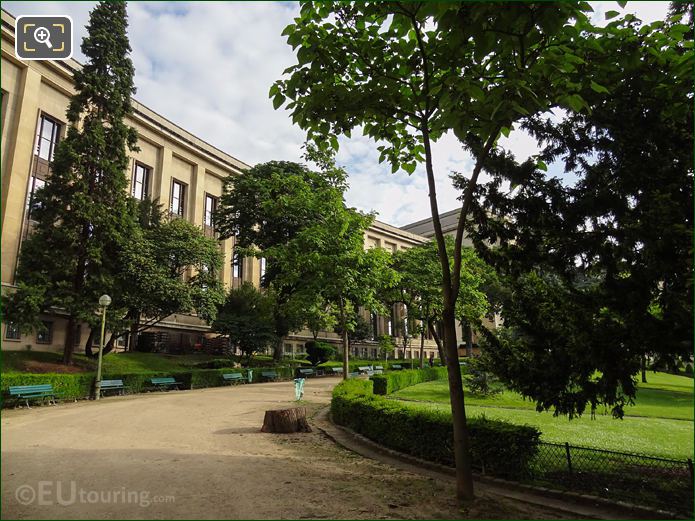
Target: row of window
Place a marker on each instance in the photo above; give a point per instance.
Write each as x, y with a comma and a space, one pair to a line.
44, 336
47, 136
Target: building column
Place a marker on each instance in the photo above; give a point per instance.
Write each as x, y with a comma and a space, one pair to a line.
17, 169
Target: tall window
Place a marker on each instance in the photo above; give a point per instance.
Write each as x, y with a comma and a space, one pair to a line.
12, 331
237, 266
35, 183
141, 181
262, 263
45, 336
178, 197
47, 137
209, 212
375, 325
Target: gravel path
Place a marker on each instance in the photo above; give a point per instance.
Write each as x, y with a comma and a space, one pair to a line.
199, 454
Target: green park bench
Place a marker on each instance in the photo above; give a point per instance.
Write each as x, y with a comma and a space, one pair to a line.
112, 385
32, 392
165, 383
336, 370
396, 367
378, 368
233, 377
307, 372
354, 375
269, 375
365, 369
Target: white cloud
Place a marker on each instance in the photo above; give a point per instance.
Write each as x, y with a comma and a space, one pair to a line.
207, 66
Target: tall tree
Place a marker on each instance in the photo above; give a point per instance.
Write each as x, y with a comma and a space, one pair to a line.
601, 270
246, 319
82, 215
166, 267
267, 207
408, 73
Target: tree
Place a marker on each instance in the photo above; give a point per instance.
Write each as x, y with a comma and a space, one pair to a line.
166, 267
82, 215
318, 352
246, 319
408, 73
600, 271
386, 346
266, 208
319, 317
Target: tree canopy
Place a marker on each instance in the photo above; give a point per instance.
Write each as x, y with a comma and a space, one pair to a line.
600, 270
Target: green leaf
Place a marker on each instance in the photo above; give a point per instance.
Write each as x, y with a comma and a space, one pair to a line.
611, 14
505, 131
278, 100
598, 88
622, 3
540, 165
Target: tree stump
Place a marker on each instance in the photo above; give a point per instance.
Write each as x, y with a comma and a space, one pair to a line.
286, 420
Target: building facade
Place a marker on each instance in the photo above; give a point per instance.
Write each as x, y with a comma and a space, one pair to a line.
183, 172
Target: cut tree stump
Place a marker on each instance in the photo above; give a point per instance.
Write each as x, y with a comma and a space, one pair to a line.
286, 420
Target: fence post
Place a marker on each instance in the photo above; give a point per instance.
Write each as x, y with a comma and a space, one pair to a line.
569, 459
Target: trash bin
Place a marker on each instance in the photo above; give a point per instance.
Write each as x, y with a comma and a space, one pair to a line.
298, 388
249, 375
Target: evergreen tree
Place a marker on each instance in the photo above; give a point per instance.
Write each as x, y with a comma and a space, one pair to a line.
82, 215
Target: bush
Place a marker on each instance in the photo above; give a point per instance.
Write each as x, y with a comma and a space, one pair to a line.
318, 352
80, 386
67, 386
498, 447
393, 381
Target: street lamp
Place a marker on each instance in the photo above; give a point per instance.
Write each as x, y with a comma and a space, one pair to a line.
104, 302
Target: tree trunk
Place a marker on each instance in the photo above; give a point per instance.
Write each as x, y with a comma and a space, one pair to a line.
277, 350
438, 341
88, 346
69, 345
462, 449
286, 420
644, 369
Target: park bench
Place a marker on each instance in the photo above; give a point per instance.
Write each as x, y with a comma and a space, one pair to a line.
307, 372
233, 377
336, 370
353, 375
396, 367
269, 375
112, 385
165, 383
365, 369
378, 368
33, 392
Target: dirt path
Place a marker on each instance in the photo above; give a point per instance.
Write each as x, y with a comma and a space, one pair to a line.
199, 454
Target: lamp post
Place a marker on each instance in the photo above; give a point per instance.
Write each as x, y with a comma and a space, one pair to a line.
104, 302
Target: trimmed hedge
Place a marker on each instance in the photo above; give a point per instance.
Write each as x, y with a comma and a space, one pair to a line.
78, 386
393, 381
498, 447
75, 386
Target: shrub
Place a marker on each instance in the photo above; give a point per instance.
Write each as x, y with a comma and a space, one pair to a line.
498, 447
67, 386
318, 352
393, 381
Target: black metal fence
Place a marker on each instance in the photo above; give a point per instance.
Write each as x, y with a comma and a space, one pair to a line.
635, 478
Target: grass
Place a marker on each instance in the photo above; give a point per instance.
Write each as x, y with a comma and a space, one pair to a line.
113, 363
660, 423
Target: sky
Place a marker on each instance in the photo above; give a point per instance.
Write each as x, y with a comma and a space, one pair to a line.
208, 66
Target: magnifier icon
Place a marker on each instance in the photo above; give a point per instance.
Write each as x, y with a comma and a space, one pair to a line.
42, 35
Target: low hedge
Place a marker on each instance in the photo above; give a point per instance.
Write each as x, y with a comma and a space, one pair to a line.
78, 386
390, 382
72, 386
498, 447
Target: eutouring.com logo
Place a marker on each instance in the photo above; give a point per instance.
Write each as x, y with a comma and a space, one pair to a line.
67, 493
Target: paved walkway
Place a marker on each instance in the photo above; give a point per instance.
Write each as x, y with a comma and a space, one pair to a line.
200, 454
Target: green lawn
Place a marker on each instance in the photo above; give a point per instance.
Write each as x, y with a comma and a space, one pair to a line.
660, 422
24, 361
